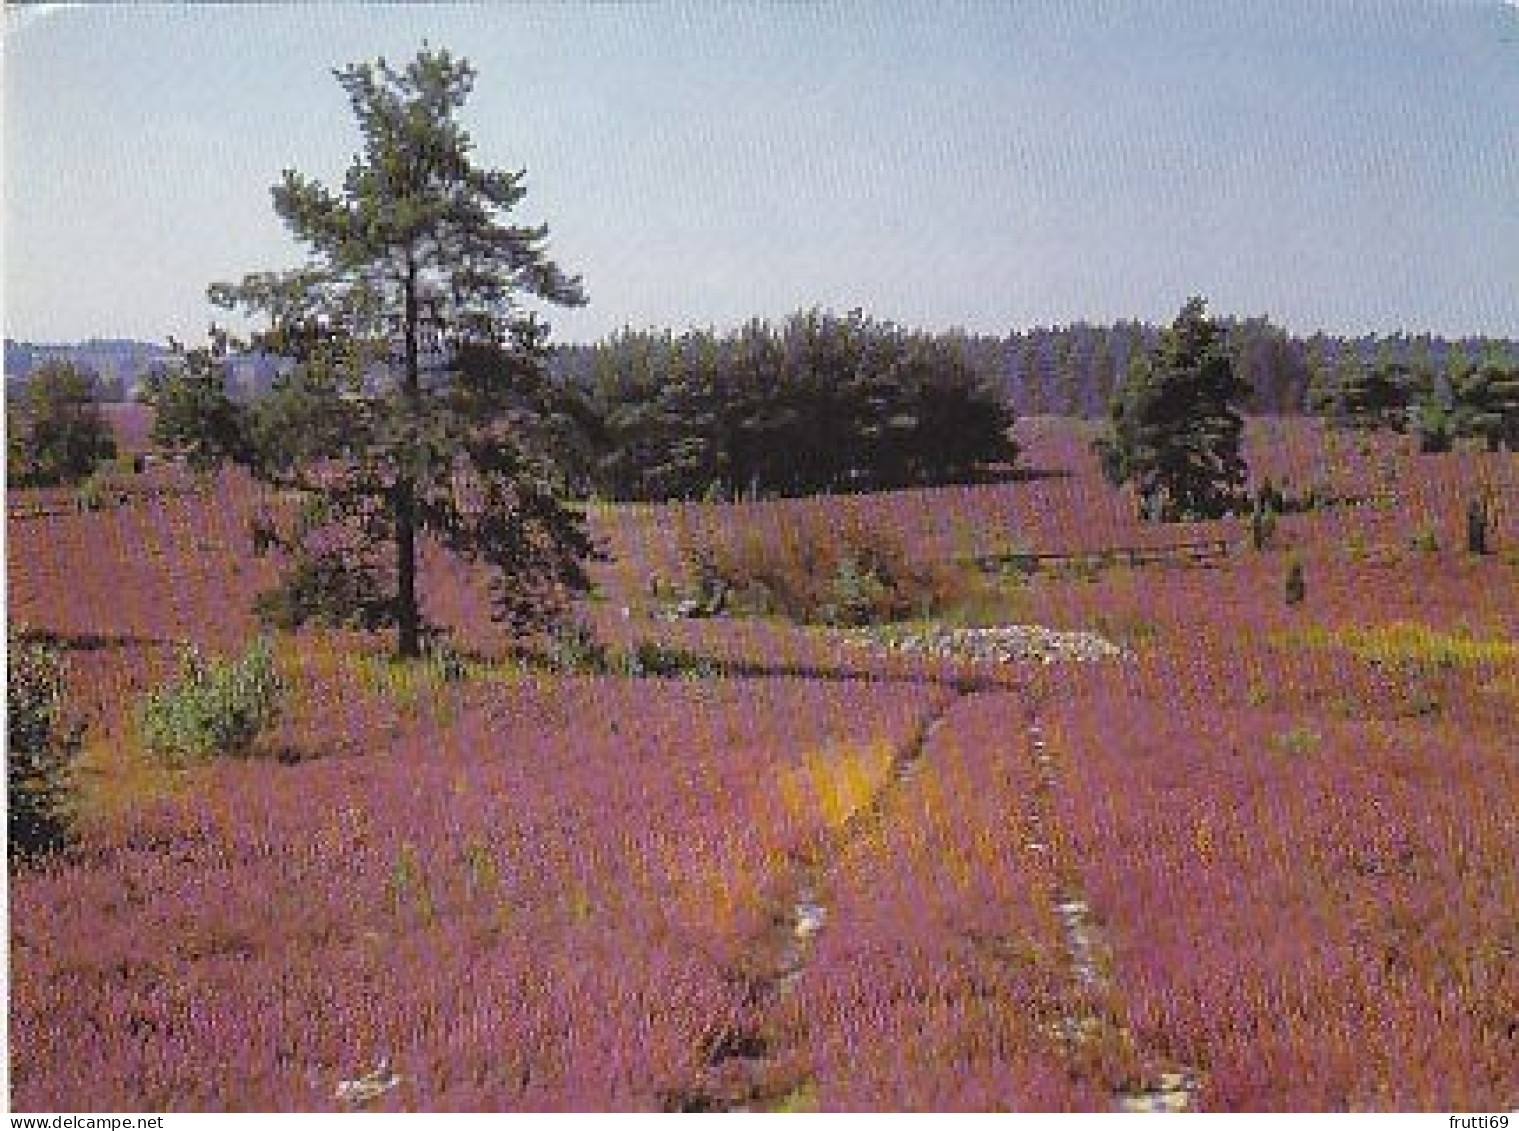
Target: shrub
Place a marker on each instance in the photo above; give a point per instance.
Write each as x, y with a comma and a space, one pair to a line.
821, 403
98, 491
1298, 741
1425, 540
1478, 522
573, 647
40, 751
215, 706
56, 433
1262, 527
818, 570
650, 658
1297, 586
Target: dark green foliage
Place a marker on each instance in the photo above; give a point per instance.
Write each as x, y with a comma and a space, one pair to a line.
1374, 397
1297, 585
193, 417
573, 647
1487, 404
1263, 516
1174, 430
57, 435
1434, 426
822, 403
1478, 523
416, 403
337, 588
1470, 400
649, 658
40, 750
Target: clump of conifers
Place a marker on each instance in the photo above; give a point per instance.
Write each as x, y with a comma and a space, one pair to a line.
820, 403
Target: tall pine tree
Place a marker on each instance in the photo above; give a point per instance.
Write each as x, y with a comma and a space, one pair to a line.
1174, 428
418, 402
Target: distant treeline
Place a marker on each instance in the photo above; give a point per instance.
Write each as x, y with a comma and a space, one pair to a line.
827, 402
1071, 370
1045, 370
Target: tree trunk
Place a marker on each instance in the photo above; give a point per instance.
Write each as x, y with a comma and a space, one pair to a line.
408, 615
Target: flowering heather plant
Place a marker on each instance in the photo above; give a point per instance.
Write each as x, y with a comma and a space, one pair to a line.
540, 902
1256, 859
1319, 932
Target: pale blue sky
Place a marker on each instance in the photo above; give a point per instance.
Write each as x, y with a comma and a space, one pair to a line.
1338, 165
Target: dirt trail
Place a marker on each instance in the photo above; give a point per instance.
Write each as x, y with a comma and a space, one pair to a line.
742, 1072
1097, 1042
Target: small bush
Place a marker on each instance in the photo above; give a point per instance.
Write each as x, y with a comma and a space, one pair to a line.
100, 490
1263, 527
818, 570
1298, 741
215, 706
1478, 523
573, 647
1296, 589
40, 752
650, 658
1425, 540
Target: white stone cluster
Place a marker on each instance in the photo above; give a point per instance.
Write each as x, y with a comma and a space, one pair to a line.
1010, 643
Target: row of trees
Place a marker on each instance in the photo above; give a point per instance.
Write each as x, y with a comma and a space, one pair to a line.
823, 402
418, 404
1175, 432
1477, 399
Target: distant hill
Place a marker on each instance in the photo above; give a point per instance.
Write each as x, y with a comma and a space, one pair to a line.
119, 364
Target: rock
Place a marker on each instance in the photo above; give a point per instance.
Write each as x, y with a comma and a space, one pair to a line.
809, 919
1000, 644
370, 1086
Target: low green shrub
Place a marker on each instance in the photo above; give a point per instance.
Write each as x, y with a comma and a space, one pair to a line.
40, 750
216, 706
1298, 741
99, 491
650, 658
1479, 521
573, 647
1425, 540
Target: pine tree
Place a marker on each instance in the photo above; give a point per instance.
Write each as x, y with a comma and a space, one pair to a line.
1375, 397
1175, 432
57, 434
1487, 404
418, 404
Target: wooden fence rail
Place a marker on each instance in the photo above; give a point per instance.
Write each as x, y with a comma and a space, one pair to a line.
1205, 550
